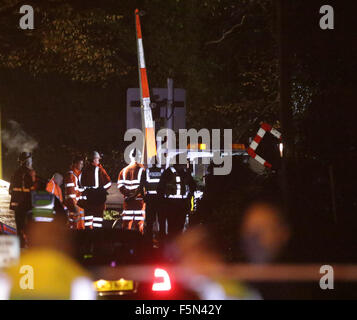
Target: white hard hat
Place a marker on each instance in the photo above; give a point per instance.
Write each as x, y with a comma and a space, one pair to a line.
96, 155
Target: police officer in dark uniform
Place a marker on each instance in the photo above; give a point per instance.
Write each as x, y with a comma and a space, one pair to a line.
175, 189
21, 185
153, 205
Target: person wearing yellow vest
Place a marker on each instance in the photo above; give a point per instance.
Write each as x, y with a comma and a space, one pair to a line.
45, 270
54, 186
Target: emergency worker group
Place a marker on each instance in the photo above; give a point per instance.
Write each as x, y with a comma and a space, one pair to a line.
151, 194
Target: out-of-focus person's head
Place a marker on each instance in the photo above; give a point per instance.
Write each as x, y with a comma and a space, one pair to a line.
263, 232
78, 163
58, 179
50, 235
197, 251
25, 159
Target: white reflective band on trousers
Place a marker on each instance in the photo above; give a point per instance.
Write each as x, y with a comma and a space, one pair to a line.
97, 222
88, 221
133, 215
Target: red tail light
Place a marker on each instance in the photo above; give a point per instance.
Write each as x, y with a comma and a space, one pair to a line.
162, 280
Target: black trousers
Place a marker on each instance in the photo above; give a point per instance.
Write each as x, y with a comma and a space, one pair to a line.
174, 214
20, 220
153, 209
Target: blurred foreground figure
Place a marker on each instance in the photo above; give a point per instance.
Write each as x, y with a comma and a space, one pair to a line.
45, 271
95, 181
130, 184
21, 185
54, 186
73, 195
204, 267
264, 232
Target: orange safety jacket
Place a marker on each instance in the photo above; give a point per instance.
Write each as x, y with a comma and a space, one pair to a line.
95, 177
72, 189
130, 183
54, 188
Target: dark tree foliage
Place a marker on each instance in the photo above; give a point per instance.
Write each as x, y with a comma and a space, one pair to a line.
65, 82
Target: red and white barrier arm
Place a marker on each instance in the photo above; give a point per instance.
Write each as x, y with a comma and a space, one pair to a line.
148, 123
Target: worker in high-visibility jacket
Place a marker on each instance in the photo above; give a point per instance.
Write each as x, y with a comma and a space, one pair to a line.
175, 189
21, 185
54, 186
130, 183
95, 181
45, 206
153, 204
73, 195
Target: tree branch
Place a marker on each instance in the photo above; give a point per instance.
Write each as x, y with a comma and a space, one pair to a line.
225, 33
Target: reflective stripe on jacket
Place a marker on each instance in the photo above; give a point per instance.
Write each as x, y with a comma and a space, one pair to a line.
153, 175
94, 177
21, 184
129, 179
72, 189
176, 184
43, 205
130, 183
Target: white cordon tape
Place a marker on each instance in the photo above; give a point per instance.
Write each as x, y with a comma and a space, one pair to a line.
264, 128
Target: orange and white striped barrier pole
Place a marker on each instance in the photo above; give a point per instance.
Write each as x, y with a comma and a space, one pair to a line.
147, 120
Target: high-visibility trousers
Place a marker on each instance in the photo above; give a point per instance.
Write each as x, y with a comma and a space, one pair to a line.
93, 216
76, 220
133, 215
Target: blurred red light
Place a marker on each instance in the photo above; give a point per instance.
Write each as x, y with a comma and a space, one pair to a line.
162, 280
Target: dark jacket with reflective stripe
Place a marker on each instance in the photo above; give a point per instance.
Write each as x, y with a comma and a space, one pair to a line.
21, 184
151, 182
95, 177
95, 181
170, 188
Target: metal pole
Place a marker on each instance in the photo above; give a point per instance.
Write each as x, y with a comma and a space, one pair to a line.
284, 89
170, 101
169, 113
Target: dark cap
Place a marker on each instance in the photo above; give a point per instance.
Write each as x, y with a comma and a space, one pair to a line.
24, 156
